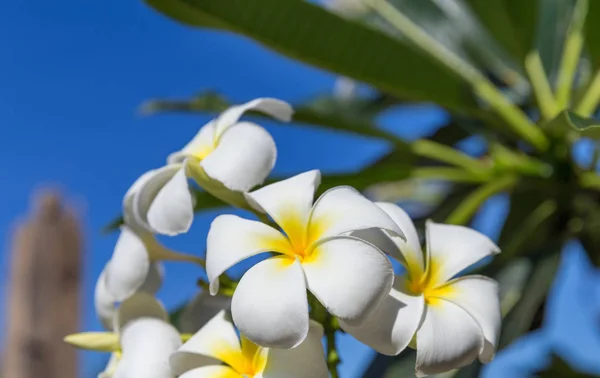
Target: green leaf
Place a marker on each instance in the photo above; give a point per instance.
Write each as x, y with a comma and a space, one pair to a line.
592, 33
568, 121
311, 34
354, 115
527, 313
511, 22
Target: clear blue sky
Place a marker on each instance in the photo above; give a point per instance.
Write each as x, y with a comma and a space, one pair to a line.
72, 74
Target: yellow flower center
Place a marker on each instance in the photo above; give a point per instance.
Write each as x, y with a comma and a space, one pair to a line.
203, 151
427, 283
249, 362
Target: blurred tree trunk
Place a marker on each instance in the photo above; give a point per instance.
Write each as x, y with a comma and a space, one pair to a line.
43, 301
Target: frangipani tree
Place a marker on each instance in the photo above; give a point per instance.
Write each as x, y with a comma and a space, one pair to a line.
523, 76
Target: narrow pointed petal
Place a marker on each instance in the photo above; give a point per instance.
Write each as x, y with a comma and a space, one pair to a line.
104, 302
211, 372
304, 361
391, 327
479, 296
140, 305
98, 341
349, 276
448, 338
452, 249
201, 310
200, 146
277, 109
410, 249
342, 210
270, 306
243, 158
232, 239
128, 267
147, 344
288, 202
172, 210
216, 342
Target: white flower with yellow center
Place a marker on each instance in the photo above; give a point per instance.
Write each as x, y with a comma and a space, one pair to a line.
142, 344
224, 156
216, 351
451, 321
347, 275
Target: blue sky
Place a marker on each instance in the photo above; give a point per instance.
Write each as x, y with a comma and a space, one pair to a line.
72, 74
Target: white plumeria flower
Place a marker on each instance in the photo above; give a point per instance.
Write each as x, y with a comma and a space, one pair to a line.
346, 274
106, 304
142, 344
224, 156
134, 263
217, 352
202, 308
452, 320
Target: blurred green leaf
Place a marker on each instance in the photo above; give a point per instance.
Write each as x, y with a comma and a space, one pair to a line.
568, 121
353, 115
592, 33
315, 36
527, 313
511, 22
560, 369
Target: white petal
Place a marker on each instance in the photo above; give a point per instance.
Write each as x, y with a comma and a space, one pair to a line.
277, 109
448, 339
199, 146
269, 305
127, 269
288, 202
202, 309
343, 209
209, 346
349, 276
130, 216
147, 344
391, 327
232, 239
171, 210
243, 158
211, 372
454, 248
478, 295
104, 302
140, 305
304, 361
154, 278
411, 248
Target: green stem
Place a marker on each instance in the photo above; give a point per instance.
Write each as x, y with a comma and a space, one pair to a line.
515, 117
465, 211
440, 152
571, 54
540, 84
333, 358
447, 174
590, 99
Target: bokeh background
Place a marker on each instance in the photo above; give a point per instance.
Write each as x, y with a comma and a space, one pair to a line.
72, 77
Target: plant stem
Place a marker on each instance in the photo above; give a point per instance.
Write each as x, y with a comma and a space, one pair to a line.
333, 358
540, 84
465, 211
571, 53
515, 117
440, 152
590, 99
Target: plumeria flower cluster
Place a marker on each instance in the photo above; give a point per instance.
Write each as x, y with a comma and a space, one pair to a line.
329, 255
